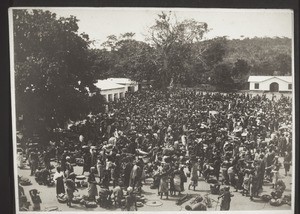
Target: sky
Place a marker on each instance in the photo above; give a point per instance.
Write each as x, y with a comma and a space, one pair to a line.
99, 23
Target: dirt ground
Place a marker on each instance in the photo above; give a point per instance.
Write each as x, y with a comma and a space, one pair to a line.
238, 202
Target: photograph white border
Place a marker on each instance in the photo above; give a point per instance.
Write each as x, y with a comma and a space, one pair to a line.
13, 107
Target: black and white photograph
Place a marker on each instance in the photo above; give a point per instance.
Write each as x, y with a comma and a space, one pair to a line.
152, 109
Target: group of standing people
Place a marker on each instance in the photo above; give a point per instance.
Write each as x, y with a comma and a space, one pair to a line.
172, 135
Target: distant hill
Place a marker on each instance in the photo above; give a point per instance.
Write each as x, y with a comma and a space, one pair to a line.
264, 55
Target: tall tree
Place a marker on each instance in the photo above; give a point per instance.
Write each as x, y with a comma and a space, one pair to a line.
132, 59
52, 73
172, 40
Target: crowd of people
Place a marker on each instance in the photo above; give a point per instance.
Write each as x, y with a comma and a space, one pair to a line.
233, 139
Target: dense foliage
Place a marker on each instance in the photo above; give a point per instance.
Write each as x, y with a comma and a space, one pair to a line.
174, 53
53, 78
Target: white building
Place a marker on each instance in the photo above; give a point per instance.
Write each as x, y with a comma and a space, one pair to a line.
129, 84
115, 88
271, 83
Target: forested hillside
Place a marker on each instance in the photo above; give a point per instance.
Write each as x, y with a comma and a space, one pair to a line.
263, 55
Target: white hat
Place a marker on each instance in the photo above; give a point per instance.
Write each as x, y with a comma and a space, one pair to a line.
129, 189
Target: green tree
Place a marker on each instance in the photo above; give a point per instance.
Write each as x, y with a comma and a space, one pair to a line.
53, 79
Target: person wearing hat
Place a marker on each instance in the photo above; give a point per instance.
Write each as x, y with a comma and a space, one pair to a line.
68, 167
226, 199
197, 206
92, 188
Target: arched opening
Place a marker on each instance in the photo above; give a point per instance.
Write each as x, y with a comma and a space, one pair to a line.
274, 87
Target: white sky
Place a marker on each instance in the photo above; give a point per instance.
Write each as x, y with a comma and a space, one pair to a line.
99, 23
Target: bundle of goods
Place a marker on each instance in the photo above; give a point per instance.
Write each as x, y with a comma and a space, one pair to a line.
276, 202
183, 199
76, 199
104, 199
141, 199
287, 199
62, 198
276, 194
266, 198
42, 177
83, 199
215, 188
197, 199
90, 204
24, 181
50, 182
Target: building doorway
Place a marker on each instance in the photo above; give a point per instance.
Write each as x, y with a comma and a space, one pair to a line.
274, 87
130, 88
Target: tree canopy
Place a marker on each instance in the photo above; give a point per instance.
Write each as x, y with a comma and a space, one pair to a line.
53, 78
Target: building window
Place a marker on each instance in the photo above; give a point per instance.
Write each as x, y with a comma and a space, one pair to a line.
110, 97
290, 86
115, 96
256, 85
121, 94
